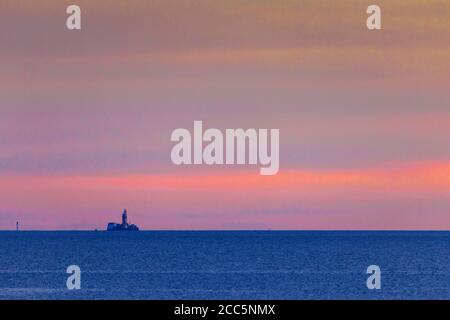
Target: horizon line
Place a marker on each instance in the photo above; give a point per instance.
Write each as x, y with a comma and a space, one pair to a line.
230, 230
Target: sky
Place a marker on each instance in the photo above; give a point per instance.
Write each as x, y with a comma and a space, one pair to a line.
86, 116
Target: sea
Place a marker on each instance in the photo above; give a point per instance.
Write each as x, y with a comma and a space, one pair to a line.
225, 264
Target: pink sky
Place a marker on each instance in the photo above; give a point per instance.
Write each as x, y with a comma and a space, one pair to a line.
342, 199
86, 117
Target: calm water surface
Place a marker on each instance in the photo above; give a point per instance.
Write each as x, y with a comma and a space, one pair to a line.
225, 265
